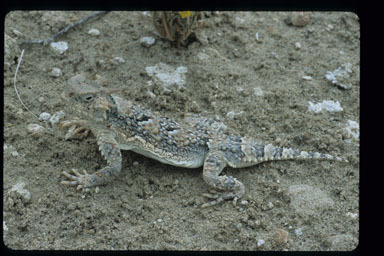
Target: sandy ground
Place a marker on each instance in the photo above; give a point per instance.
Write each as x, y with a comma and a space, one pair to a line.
254, 71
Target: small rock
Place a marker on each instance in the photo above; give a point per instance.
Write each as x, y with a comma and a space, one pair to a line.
299, 19
258, 91
341, 76
298, 45
44, 116
352, 130
5, 228
56, 72
202, 56
147, 41
159, 220
352, 215
35, 129
342, 242
167, 75
18, 191
94, 32
327, 105
260, 242
55, 119
298, 231
15, 153
244, 202
41, 99
59, 47
308, 78
281, 237
118, 60
17, 33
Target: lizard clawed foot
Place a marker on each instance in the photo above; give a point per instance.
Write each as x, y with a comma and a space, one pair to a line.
221, 196
78, 129
81, 180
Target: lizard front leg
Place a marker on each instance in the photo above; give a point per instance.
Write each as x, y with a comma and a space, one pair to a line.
111, 152
226, 187
78, 129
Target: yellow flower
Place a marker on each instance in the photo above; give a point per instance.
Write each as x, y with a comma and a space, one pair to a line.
185, 14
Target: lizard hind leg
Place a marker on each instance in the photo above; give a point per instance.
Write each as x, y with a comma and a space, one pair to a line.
225, 187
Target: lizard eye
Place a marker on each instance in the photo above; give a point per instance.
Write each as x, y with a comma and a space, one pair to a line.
87, 97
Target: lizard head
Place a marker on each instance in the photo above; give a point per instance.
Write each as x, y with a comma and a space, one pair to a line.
88, 98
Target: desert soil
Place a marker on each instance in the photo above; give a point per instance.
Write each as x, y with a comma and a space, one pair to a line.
254, 71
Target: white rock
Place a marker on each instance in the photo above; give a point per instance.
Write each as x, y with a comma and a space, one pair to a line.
21, 192
35, 129
258, 91
15, 153
340, 76
94, 32
202, 56
326, 105
59, 47
167, 75
353, 129
5, 228
147, 41
117, 60
298, 45
260, 242
352, 215
308, 78
44, 116
56, 72
55, 119
298, 231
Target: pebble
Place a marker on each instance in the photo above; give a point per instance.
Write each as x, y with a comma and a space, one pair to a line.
118, 60
167, 75
147, 41
55, 119
5, 228
15, 153
44, 116
19, 191
17, 33
340, 76
352, 130
326, 105
94, 32
299, 19
260, 242
56, 72
257, 91
308, 78
35, 129
159, 220
352, 215
59, 47
298, 231
202, 56
298, 45
281, 236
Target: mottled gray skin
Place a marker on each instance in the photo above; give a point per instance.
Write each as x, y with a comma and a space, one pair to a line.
120, 125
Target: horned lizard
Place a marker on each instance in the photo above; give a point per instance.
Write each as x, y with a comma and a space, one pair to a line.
118, 124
